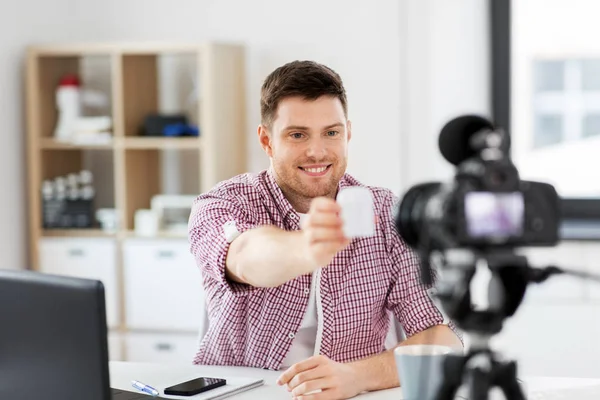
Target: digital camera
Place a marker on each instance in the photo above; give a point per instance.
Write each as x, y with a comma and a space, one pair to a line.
486, 205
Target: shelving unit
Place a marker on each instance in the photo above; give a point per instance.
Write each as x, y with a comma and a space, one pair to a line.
131, 168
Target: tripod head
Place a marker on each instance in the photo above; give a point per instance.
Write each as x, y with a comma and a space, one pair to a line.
480, 306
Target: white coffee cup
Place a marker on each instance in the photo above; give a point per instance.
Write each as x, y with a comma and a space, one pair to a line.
420, 370
358, 213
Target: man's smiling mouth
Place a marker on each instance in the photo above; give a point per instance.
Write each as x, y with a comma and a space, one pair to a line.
316, 170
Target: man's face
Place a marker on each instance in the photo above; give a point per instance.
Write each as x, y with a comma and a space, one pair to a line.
308, 145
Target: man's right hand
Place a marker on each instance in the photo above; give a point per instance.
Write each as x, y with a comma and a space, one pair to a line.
322, 232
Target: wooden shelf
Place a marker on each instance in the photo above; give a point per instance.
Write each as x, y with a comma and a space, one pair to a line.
159, 235
99, 233
150, 143
52, 144
77, 233
77, 49
130, 170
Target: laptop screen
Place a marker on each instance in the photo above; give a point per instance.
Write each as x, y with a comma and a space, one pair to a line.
53, 341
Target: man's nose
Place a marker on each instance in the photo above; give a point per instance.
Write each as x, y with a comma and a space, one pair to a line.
316, 149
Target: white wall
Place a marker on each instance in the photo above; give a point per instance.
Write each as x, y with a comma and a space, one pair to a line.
357, 39
447, 75
18, 27
350, 36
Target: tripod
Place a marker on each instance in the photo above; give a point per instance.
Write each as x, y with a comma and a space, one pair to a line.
480, 368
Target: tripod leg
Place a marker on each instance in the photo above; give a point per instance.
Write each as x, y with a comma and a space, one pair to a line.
507, 381
452, 377
479, 384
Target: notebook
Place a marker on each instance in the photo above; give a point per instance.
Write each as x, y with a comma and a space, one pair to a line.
234, 386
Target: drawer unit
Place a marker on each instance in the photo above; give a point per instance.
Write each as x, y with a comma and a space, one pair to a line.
163, 286
115, 346
91, 258
161, 348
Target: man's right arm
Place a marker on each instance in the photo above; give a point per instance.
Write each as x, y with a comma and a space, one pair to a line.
267, 256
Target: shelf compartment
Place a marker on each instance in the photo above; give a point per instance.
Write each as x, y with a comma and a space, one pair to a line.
140, 90
150, 171
53, 144
159, 84
158, 143
62, 162
95, 74
143, 180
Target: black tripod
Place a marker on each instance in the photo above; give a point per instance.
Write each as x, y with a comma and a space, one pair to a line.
481, 369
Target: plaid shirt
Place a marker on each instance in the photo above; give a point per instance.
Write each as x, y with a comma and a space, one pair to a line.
255, 327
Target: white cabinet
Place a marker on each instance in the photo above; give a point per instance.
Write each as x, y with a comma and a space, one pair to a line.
161, 348
115, 346
91, 258
163, 286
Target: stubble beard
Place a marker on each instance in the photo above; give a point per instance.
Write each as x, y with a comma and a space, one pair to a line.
297, 191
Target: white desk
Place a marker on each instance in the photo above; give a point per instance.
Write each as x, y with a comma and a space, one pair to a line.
164, 375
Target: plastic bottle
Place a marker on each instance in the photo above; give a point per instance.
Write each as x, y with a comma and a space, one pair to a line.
68, 102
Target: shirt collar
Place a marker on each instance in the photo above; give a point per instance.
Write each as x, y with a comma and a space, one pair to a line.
290, 216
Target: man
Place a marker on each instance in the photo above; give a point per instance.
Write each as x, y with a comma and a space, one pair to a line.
285, 289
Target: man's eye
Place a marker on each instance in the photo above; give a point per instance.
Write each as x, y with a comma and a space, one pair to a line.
332, 133
297, 135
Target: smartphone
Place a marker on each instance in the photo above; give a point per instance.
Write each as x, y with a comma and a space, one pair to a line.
195, 386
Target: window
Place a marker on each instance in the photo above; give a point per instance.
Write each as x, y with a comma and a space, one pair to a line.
566, 100
548, 129
546, 92
590, 75
591, 125
549, 76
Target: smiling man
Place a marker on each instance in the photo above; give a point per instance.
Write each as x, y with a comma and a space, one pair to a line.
285, 289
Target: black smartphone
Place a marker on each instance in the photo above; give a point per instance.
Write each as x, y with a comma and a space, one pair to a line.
195, 386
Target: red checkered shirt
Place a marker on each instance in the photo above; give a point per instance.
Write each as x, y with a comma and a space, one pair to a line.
255, 327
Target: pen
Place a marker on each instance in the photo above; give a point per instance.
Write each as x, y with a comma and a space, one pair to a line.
144, 388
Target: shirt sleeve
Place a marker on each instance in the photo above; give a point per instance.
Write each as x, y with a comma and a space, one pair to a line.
215, 222
409, 299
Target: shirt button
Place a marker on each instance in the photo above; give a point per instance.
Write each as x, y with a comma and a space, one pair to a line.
291, 335
306, 291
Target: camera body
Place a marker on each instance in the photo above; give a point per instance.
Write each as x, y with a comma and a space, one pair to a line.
486, 206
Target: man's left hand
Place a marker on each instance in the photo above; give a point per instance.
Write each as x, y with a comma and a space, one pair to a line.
329, 380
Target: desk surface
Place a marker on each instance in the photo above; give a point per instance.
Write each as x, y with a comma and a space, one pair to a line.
164, 375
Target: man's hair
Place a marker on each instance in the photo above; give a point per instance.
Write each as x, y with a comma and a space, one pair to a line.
307, 79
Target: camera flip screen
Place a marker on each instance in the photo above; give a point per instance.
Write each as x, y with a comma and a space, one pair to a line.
494, 214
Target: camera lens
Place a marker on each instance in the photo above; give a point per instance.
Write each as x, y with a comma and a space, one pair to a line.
410, 214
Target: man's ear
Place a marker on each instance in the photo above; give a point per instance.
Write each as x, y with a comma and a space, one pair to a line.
349, 129
265, 140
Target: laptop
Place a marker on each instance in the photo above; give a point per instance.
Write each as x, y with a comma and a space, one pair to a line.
53, 339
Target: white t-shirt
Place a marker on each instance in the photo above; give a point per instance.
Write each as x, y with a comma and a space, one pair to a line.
303, 346
304, 343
